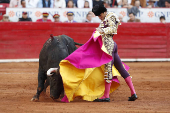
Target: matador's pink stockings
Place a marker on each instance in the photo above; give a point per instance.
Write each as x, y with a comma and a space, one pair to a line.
130, 84
107, 90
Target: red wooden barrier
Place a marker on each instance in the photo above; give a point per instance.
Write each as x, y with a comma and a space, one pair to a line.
139, 40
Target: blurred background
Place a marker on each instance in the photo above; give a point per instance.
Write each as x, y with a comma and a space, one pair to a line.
126, 10
25, 25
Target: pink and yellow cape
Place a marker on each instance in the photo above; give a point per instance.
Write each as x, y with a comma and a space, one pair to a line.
83, 70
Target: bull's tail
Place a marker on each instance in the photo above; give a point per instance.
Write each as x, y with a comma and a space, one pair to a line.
78, 44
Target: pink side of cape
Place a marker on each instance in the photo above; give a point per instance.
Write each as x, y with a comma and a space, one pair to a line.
89, 55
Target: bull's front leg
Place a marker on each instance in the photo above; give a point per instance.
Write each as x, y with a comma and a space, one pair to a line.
41, 79
62, 94
46, 84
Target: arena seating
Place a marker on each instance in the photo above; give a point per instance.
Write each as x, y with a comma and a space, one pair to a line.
3, 7
139, 40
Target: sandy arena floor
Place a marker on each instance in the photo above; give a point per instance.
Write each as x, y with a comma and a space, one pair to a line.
18, 83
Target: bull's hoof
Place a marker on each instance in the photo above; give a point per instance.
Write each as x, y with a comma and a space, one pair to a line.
35, 98
61, 96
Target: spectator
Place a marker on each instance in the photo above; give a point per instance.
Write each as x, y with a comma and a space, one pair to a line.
91, 13
161, 3
70, 4
4, 1
45, 18
70, 17
56, 18
152, 3
59, 4
120, 2
94, 18
88, 18
142, 3
162, 19
82, 3
45, 3
120, 18
137, 4
25, 17
23, 4
74, 3
124, 4
167, 3
114, 3
32, 3
134, 9
15, 3
97, 2
107, 3
5, 18
86, 4
132, 18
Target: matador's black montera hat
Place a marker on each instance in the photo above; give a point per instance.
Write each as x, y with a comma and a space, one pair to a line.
98, 9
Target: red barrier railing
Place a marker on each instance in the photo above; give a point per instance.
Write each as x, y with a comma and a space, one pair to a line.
135, 40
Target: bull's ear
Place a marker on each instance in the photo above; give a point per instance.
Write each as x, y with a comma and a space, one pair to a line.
51, 71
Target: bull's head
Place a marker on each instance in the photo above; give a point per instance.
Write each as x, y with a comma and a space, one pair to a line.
55, 81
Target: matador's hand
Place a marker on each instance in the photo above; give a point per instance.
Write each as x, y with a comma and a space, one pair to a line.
99, 30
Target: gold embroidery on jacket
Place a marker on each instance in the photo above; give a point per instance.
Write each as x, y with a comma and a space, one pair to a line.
109, 27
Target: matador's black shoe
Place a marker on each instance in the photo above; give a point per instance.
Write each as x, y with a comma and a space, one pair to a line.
102, 100
133, 97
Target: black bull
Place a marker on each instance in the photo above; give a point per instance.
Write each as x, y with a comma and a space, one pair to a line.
54, 50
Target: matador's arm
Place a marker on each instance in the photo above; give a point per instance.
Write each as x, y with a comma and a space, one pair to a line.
112, 26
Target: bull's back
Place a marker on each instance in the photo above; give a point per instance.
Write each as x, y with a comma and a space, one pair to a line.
54, 50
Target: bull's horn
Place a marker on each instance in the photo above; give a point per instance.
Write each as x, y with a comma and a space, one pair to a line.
51, 70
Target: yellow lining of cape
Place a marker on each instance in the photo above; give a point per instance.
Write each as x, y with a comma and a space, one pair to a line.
88, 84
97, 34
